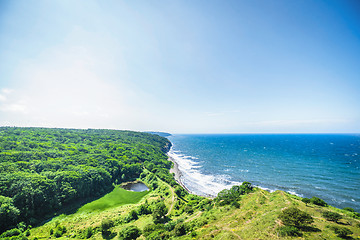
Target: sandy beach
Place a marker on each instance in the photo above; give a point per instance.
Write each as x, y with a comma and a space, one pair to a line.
177, 174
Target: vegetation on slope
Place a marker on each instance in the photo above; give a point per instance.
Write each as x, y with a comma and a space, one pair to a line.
167, 211
42, 170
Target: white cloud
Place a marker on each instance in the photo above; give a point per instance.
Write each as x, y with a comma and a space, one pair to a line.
72, 85
2, 98
13, 107
9, 103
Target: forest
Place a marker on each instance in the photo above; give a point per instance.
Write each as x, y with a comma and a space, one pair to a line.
43, 169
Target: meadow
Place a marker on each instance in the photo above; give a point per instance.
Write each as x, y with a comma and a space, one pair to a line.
115, 198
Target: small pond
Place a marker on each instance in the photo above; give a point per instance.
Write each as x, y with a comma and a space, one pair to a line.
135, 186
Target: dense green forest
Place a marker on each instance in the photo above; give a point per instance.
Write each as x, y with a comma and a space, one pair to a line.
42, 169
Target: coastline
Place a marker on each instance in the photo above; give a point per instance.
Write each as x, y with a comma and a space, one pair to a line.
177, 173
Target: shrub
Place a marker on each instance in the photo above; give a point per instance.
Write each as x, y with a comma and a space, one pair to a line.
159, 212
59, 230
58, 233
342, 232
143, 209
284, 231
205, 204
349, 209
180, 191
235, 204
150, 228
180, 229
89, 232
188, 209
170, 226
318, 201
11, 232
306, 200
129, 233
158, 235
293, 216
331, 216
228, 196
106, 224
132, 216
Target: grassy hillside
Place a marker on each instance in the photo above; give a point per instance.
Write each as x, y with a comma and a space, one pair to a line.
256, 217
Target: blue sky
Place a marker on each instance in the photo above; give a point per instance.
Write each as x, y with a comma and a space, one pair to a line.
181, 66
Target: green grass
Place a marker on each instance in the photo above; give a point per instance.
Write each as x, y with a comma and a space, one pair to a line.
113, 199
256, 218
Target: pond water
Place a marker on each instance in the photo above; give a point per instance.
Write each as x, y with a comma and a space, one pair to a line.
138, 187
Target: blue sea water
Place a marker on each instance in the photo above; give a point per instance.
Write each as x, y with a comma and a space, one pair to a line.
322, 165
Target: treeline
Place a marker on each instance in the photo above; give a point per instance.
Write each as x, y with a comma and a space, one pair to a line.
43, 169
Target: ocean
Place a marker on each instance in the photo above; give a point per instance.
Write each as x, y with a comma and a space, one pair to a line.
322, 165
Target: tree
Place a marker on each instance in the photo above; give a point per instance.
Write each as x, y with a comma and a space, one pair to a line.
318, 201
8, 213
143, 209
106, 224
306, 201
293, 216
131, 216
233, 194
159, 212
331, 216
129, 233
180, 229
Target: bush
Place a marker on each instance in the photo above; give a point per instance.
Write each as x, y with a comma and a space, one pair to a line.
293, 216
235, 204
284, 231
59, 230
306, 200
331, 216
342, 232
89, 232
143, 209
58, 233
228, 196
129, 233
180, 191
180, 229
205, 205
188, 209
106, 224
349, 209
170, 226
11, 232
158, 235
132, 216
159, 212
318, 201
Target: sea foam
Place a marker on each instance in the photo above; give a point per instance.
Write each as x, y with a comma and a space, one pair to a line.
196, 181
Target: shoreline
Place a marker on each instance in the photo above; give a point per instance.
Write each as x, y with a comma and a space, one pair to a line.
177, 173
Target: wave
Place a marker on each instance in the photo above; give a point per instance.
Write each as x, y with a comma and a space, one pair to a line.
203, 184
195, 180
